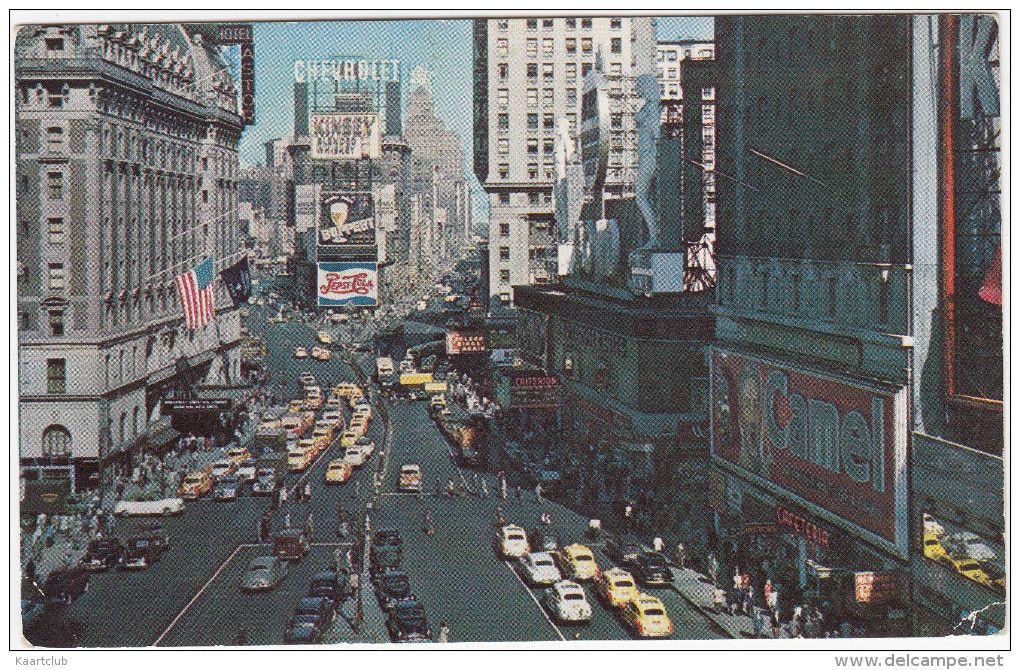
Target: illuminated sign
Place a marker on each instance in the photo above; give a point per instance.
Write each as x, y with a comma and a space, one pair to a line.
337, 136
347, 284
346, 220
876, 588
802, 526
461, 342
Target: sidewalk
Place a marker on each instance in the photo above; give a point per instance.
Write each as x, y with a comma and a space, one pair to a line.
697, 589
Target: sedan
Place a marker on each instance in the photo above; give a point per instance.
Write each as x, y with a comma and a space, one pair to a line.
622, 549
539, 569
139, 553
512, 541
332, 585
264, 573
227, 488
102, 554
646, 616
246, 471
544, 538
393, 587
651, 569
301, 352
407, 622
567, 602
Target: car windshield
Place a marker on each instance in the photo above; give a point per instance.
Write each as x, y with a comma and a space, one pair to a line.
573, 596
967, 567
623, 584
543, 562
229, 481
515, 536
582, 557
654, 611
396, 582
248, 464
192, 480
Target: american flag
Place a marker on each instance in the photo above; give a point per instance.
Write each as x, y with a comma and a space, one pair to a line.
196, 290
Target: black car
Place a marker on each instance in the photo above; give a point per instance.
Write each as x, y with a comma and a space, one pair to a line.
304, 630
102, 554
321, 609
156, 533
622, 549
650, 569
139, 553
407, 622
64, 586
386, 537
392, 587
384, 560
330, 585
544, 538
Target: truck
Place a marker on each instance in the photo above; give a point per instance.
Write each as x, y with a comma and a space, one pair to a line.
413, 384
384, 371
270, 469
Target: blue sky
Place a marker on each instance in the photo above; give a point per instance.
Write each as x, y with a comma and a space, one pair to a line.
442, 46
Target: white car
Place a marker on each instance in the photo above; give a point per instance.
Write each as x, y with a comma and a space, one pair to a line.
567, 602
164, 506
539, 568
363, 408
513, 543
366, 445
246, 471
410, 478
222, 469
970, 545
355, 456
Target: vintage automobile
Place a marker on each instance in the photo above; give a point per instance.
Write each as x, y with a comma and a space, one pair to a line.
149, 505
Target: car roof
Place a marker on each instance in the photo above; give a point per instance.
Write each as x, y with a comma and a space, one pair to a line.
617, 573
567, 585
646, 600
577, 549
540, 555
511, 527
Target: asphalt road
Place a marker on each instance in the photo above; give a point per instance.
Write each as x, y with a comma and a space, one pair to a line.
192, 596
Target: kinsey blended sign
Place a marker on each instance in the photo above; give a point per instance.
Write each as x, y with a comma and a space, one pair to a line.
832, 443
336, 136
347, 284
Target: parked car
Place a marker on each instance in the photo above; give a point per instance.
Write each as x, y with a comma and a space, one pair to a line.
139, 553
567, 602
149, 505
156, 533
224, 468
329, 584
382, 561
65, 585
391, 587
264, 573
539, 569
322, 608
410, 478
407, 622
651, 569
102, 554
227, 488
622, 549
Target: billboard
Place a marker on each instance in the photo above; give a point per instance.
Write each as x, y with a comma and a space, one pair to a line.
346, 220
464, 342
832, 443
338, 136
347, 284
528, 389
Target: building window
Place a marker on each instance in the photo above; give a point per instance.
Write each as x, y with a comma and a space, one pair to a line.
502, 47
56, 99
585, 69
504, 198
547, 170
615, 45
883, 301
531, 46
56, 275
504, 253
504, 230
547, 24
547, 46
205, 195
503, 121
532, 174
502, 97
55, 185
671, 55
134, 422
547, 70
548, 122
54, 45
616, 69
504, 298
571, 97
503, 70
532, 24
586, 24
572, 120
533, 197
55, 139
533, 121
57, 323
547, 97
532, 70
533, 143
616, 120
615, 23
56, 441
503, 145
56, 375
571, 71
547, 146
504, 276
586, 45
571, 45
532, 97
504, 170
571, 24
123, 420
55, 226
502, 24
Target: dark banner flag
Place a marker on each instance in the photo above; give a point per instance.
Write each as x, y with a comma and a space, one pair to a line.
237, 279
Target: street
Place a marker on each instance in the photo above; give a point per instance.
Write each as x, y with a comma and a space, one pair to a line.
191, 597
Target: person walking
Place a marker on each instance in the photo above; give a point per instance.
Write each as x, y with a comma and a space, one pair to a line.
757, 621
776, 627
484, 490
283, 497
538, 493
286, 520
658, 544
444, 633
681, 556
502, 484
308, 492
264, 528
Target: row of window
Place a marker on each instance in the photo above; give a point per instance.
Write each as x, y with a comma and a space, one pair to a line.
534, 198
615, 23
767, 302
549, 46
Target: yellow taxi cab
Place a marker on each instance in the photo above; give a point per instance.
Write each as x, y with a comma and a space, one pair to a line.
365, 408
359, 427
933, 548
296, 405
325, 337
360, 417
299, 459
338, 471
344, 389
615, 587
334, 418
349, 437
646, 616
326, 428
437, 401
196, 485
239, 454
577, 562
313, 400
309, 444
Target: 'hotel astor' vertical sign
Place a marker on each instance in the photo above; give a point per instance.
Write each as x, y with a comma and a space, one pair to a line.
241, 34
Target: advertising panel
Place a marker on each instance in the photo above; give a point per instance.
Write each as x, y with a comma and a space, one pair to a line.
832, 443
306, 206
528, 389
337, 136
387, 208
464, 342
876, 588
346, 220
347, 284
197, 405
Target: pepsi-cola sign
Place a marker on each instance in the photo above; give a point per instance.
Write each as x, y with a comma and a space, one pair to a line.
347, 284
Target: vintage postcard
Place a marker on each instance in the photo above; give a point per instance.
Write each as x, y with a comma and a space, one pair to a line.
529, 328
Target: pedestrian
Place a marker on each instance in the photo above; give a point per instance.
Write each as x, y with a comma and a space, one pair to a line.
719, 600
444, 633
283, 497
658, 544
538, 493
484, 490
775, 624
757, 622
264, 528
276, 498
357, 489
111, 521
286, 520
242, 637
767, 592
502, 484
30, 570
681, 556
308, 492
518, 492
628, 516
772, 600
749, 600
